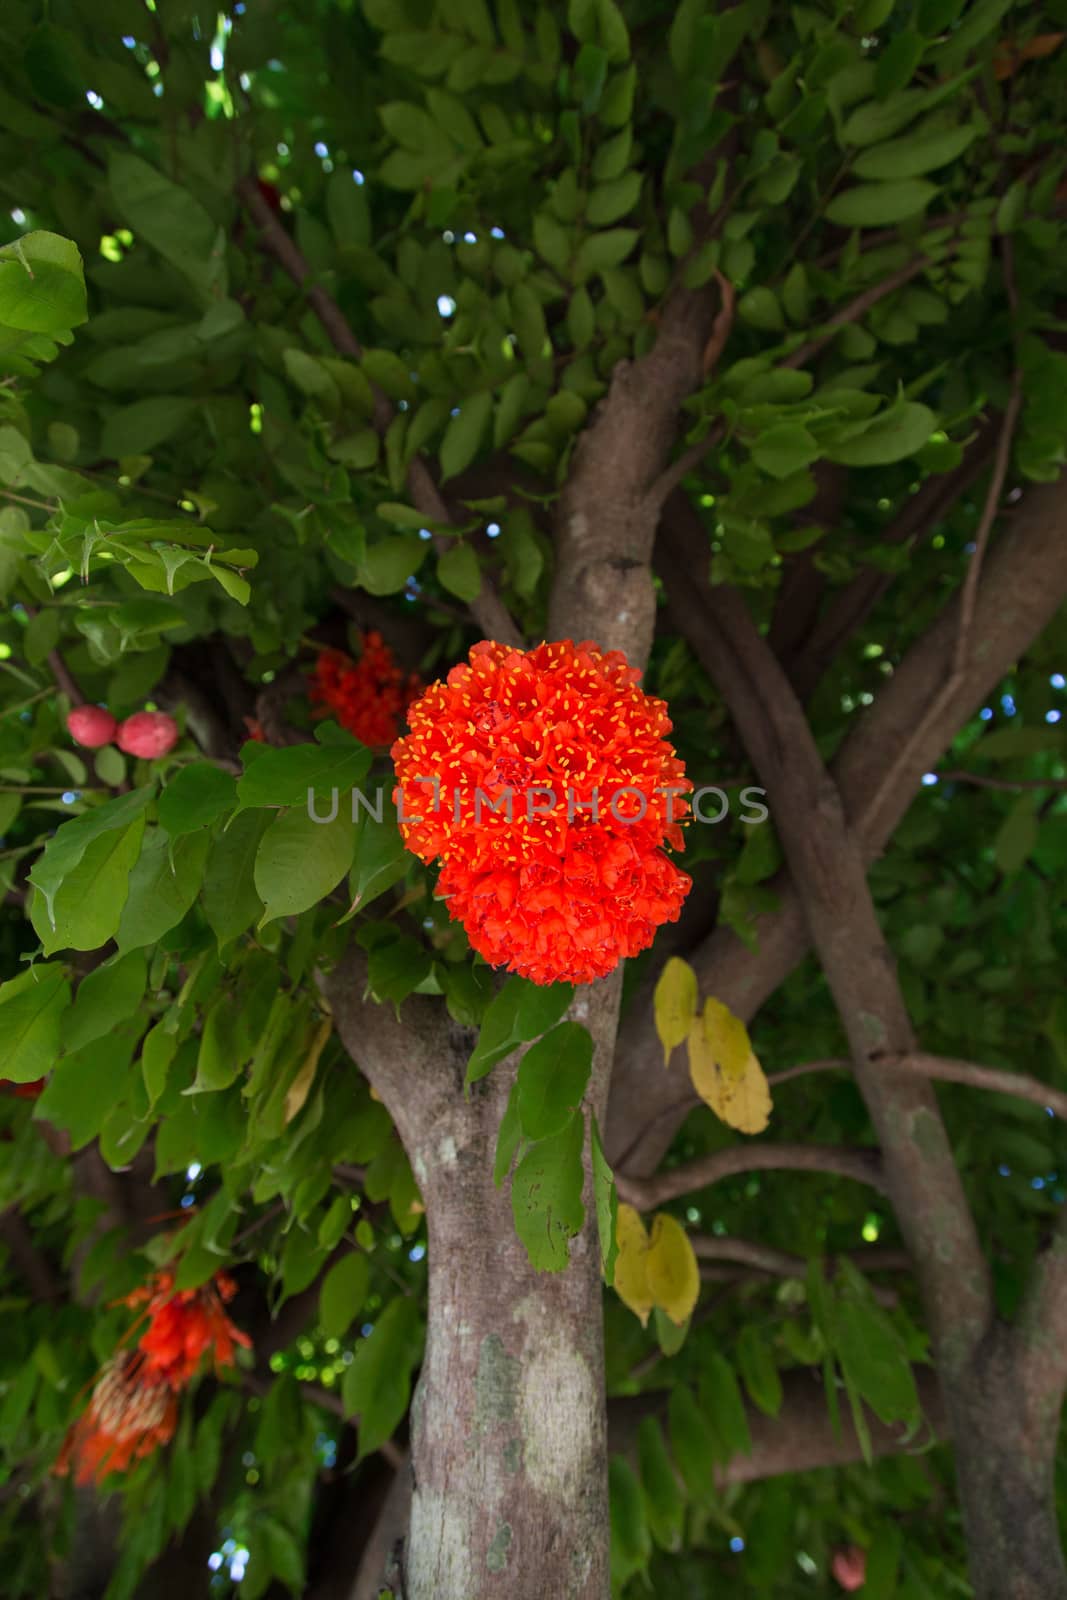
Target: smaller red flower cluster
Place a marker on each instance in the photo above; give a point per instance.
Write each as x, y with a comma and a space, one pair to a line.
134, 1405
544, 783
368, 696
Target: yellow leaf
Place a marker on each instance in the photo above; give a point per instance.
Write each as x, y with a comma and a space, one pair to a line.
725, 1072
675, 1004
671, 1269
300, 1087
631, 1279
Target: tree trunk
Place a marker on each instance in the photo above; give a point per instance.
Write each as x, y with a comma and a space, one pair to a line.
1005, 1427
508, 1426
508, 1429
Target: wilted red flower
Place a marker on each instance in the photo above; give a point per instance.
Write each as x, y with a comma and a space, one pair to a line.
555, 890
131, 1414
368, 696
184, 1325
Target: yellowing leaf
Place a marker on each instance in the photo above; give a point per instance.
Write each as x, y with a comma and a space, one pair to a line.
671, 1269
631, 1277
300, 1087
675, 1004
725, 1072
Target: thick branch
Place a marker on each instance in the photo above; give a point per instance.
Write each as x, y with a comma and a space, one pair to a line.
802, 1437
1024, 583
827, 865
487, 608
646, 1193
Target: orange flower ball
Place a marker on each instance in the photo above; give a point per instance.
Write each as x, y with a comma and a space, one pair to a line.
548, 791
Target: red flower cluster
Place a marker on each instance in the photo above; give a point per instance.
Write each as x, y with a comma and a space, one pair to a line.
134, 1405
560, 872
126, 1419
368, 696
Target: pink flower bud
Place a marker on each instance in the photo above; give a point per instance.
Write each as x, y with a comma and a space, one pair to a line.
92, 726
849, 1567
148, 734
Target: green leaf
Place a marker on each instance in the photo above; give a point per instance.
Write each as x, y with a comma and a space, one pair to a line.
875, 205
300, 860
760, 309
552, 1079
613, 199
31, 1008
163, 885
521, 1010
896, 65
42, 286
347, 210
920, 152
106, 997
873, 1358
509, 1137
459, 572
137, 429
84, 1087
65, 850
631, 1542
231, 903
344, 1290
880, 119
158, 1050
387, 565
883, 1563
380, 858
892, 436
691, 1442
784, 449
722, 1403
663, 1497
85, 910
377, 1386
607, 1203
759, 1369
606, 249
196, 797
284, 1555
546, 1196
1016, 836
464, 434
169, 219
285, 777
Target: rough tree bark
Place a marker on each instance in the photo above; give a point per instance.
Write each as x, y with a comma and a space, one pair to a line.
1003, 1410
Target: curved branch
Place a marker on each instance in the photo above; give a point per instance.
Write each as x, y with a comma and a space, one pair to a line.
948, 1069
864, 1166
785, 1263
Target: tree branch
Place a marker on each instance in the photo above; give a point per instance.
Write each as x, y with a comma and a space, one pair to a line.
487, 608
863, 1166
1024, 583
850, 606
784, 1263
828, 868
946, 1069
802, 1437
694, 454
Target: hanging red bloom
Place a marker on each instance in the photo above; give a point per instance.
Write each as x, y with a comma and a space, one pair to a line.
368, 696
544, 783
130, 1415
185, 1325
